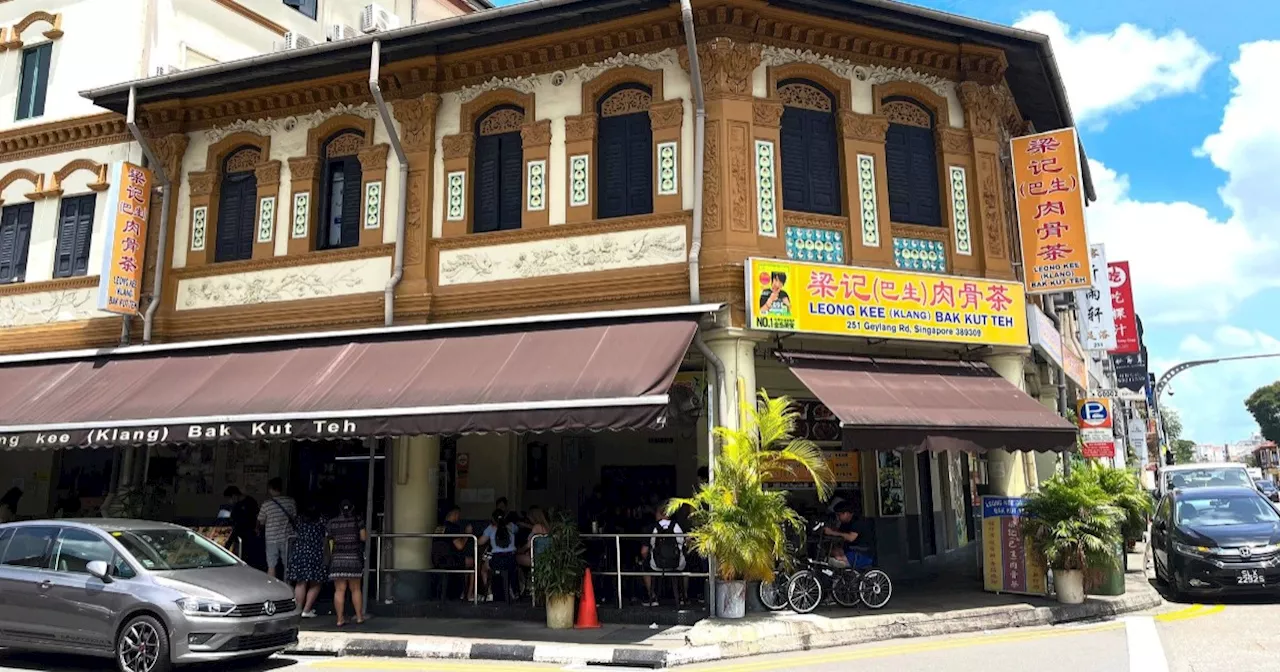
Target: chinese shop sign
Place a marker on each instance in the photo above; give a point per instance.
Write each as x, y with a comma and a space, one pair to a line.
1097, 320
874, 303
1009, 564
1127, 338
120, 285
1050, 200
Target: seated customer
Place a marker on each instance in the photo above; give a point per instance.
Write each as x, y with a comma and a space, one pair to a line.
454, 552
853, 537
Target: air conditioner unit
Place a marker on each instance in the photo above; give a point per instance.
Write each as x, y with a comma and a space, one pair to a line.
293, 40
376, 18
341, 31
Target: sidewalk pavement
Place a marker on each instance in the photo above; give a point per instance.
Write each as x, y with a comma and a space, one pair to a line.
923, 610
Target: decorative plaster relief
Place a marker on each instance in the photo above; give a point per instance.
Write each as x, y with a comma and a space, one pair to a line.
871, 74
373, 205
914, 254
457, 205
867, 200
536, 185
562, 256
66, 305
668, 168
294, 283
266, 127
583, 73
960, 209
301, 213
579, 176
766, 196
266, 219
199, 225
820, 245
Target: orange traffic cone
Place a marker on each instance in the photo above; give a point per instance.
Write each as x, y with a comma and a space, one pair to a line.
587, 605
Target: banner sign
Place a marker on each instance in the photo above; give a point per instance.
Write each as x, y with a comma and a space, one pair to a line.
1094, 417
1127, 339
876, 303
1050, 201
1073, 363
1009, 564
1097, 321
1131, 370
845, 467
124, 250
1045, 337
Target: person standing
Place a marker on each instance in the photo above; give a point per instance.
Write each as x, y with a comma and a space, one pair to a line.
9, 505
307, 568
346, 564
244, 527
279, 519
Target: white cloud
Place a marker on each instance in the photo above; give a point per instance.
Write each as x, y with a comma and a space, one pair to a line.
1121, 69
1210, 398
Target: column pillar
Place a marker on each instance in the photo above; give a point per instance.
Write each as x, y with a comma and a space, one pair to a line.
414, 495
738, 352
1006, 470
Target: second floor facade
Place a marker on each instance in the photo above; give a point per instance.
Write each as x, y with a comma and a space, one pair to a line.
558, 172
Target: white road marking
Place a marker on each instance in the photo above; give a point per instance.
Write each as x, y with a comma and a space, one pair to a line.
1146, 653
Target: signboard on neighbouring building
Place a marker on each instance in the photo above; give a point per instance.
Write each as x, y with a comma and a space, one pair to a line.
1127, 338
1097, 321
124, 250
1094, 417
1131, 369
1009, 564
876, 303
1049, 190
1073, 362
1045, 337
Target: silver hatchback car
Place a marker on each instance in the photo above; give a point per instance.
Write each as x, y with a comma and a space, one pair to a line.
150, 595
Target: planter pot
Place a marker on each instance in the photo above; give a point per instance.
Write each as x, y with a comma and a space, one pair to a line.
731, 599
1069, 584
560, 612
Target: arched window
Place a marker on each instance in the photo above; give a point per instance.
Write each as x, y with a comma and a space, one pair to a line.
340, 191
499, 157
911, 162
624, 143
237, 206
810, 150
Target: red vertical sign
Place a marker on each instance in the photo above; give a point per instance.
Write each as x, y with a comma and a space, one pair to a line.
1122, 305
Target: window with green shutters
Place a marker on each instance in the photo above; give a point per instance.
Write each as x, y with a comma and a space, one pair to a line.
75, 235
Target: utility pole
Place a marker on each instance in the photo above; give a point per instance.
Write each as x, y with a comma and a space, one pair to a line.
1179, 368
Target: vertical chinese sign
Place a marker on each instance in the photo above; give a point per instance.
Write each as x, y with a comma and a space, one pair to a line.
128, 205
1127, 338
1009, 564
1097, 320
1050, 198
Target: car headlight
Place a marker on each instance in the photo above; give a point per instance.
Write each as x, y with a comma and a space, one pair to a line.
1194, 551
193, 606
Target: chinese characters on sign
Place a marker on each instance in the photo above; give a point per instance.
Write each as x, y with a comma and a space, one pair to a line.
1131, 370
1122, 308
1010, 565
120, 284
1097, 321
1050, 202
847, 301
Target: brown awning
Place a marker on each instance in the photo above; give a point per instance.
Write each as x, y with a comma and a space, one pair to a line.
929, 405
588, 374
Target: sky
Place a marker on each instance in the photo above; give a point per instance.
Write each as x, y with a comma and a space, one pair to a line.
1175, 105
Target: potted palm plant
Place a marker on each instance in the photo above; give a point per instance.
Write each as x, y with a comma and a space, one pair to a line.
1072, 522
735, 519
1128, 495
557, 571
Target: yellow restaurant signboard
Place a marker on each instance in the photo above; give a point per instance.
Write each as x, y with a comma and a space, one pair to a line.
128, 205
877, 303
1050, 196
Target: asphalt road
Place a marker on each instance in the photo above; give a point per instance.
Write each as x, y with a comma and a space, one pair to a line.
1239, 635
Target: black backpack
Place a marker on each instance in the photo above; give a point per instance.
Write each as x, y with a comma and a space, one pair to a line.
666, 551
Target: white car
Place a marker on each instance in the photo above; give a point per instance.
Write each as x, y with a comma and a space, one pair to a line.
1203, 475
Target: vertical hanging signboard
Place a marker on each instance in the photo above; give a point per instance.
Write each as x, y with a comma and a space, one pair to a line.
1049, 190
124, 250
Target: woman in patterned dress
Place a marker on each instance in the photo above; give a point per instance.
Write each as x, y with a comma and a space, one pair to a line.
307, 559
346, 565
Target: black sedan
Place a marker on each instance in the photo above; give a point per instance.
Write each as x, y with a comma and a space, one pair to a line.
1216, 540
1269, 490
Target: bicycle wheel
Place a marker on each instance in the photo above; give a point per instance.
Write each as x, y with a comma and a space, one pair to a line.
773, 594
875, 588
845, 588
804, 593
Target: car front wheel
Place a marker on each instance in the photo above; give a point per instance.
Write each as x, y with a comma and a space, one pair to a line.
143, 646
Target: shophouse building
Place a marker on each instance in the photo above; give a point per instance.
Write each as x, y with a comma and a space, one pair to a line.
524, 253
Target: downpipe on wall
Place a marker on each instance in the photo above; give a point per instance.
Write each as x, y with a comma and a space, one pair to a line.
163, 183
397, 270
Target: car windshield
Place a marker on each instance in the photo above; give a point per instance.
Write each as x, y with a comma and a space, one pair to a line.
173, 549
1209, 477
1266, 485
1241, 509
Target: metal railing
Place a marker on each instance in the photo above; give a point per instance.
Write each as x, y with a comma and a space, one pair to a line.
378, 570
619, 573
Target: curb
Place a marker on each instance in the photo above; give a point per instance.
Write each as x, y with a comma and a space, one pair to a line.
720, 640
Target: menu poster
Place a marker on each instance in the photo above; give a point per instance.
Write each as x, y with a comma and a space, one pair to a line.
1009, 564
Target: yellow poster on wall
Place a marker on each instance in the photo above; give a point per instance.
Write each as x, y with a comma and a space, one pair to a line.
876, 303
1009, 565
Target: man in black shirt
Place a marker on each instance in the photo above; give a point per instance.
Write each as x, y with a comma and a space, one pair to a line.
853, 533
454, 552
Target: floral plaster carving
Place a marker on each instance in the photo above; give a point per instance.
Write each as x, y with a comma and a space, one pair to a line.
563, 256
67, 305
584, 73
871, 74
266, 127
286, 284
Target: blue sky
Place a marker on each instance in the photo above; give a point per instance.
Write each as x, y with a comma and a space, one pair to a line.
1180, 117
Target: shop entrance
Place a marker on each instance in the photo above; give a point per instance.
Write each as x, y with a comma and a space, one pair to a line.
924, 476
327, 472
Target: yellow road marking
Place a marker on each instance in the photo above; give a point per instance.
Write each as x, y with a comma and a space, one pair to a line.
1193, 611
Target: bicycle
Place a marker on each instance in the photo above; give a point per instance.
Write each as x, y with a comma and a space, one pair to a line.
847, 586
773, 594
